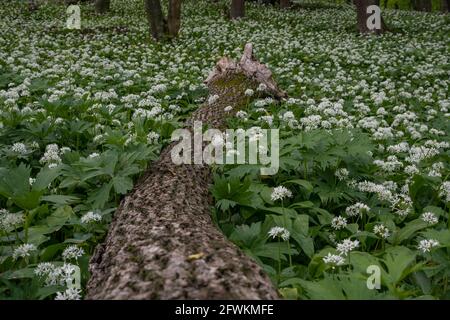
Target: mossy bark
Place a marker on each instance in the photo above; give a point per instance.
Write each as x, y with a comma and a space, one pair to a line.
162, 243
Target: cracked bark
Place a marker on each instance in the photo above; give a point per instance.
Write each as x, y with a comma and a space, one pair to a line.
162, 243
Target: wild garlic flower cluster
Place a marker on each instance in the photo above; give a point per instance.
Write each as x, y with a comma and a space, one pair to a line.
280, 193
281, 232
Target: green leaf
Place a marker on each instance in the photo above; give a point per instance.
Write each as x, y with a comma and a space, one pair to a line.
408, 230
303, 183
301, 225
60, 199
280, 210
45, 177
101, 196
122, 184
398, 260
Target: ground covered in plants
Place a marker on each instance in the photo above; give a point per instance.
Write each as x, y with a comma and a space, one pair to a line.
364, 144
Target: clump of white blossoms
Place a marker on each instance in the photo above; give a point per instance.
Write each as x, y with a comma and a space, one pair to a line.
94, 155
10, 221
334, 260
249, 92
444, 191
90, 217
24, 250
381, 231
338, 223
19, 148
213, 98
357, 209
56, 275
279, 232
72, 252
427, 244
228, 108
262, 87
346, 246
341, 174
51, 155
152, 137
429, 218
69, 294
279, 193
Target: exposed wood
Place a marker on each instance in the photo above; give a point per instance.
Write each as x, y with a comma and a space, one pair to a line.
162, 243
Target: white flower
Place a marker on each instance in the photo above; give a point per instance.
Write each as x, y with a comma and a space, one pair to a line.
356, 209
19, 148
72, 252
228, 108
262, 87
338, 223
333, 259
213, 99
249, 92
242, 115
444, 191
69, 294
346, 246
427, 244
429, 217
93, 155
279, 193
10, 221
43, 269
52, 165
24, 250
381, 231
279, 232
90, 217
152, 137
341, 174
51, 154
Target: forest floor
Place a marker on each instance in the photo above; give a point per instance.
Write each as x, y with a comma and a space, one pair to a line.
364, 144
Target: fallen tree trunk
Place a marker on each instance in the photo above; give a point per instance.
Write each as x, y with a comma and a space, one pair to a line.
162, 243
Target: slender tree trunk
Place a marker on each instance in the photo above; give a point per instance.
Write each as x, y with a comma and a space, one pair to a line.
421, 5
285, 3
160, 27
155, 16
162, 243
32, 5
174, 18
445, 5
102, 6
237, 9
363, 17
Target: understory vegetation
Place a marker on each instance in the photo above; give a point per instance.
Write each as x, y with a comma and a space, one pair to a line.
364, 144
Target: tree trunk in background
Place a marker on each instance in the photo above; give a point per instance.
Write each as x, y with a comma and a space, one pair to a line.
421, 5
285, 3
102, 6
160, 27
237, 9
155, 16
162, 243
32, 5
445, 5
174, 18
362, 16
